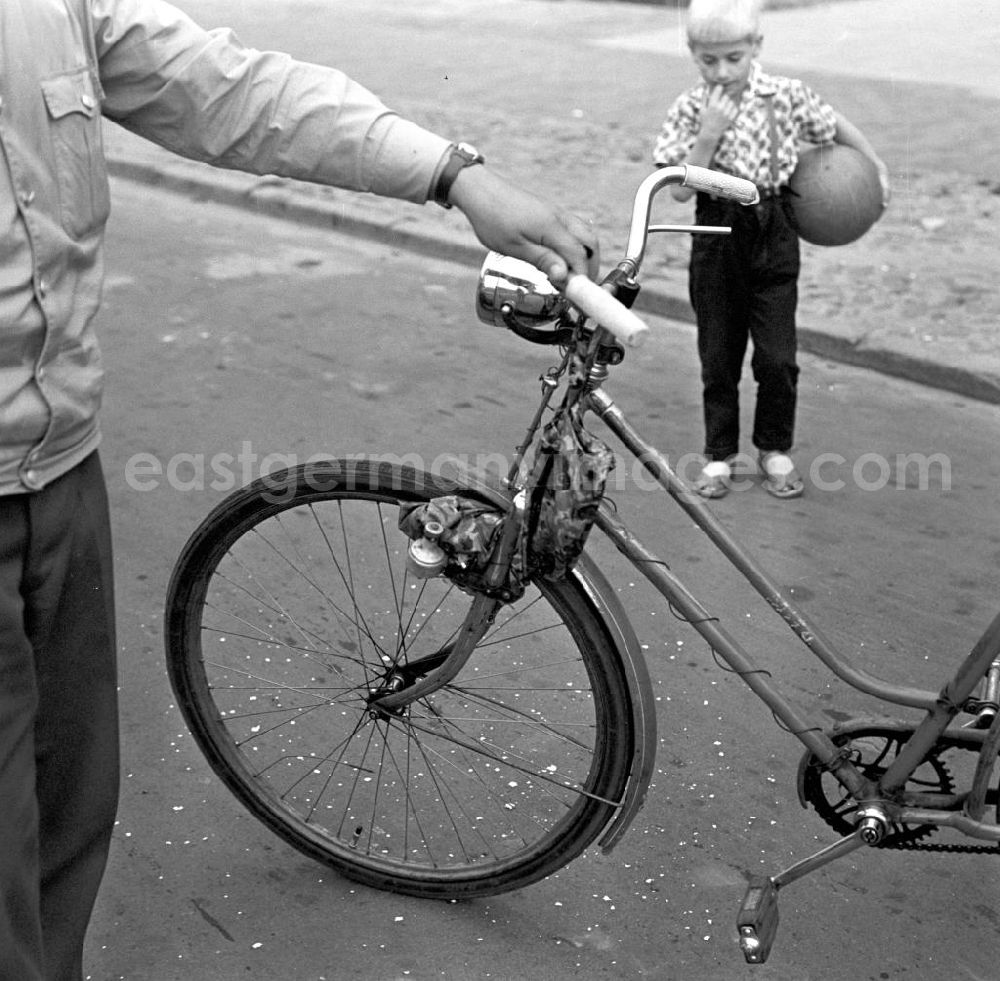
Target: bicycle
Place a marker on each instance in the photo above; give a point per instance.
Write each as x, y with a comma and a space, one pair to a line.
424, 681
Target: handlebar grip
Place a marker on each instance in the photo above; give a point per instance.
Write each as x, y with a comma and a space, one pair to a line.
724, 185
598, 304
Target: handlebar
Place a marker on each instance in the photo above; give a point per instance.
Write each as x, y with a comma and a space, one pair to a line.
514, 294
598, 303
699, 179
601, 307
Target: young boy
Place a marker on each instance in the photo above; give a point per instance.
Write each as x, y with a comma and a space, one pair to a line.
744, 286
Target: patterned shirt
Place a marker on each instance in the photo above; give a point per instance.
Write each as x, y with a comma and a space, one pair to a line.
745, 148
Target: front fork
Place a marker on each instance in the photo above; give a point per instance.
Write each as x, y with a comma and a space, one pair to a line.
482, 612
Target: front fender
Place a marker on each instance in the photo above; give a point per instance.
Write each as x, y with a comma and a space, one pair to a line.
640, 688
619, 627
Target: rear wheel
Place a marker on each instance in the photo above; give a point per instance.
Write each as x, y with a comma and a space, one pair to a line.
291, 608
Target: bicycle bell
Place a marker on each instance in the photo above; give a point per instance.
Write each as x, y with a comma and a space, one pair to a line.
514, 294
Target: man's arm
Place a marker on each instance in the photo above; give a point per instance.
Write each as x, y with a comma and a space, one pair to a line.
204, 95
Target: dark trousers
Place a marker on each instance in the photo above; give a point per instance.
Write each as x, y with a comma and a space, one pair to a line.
58, 721
744, 286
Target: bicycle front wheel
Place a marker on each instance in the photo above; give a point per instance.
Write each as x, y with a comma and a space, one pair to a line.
291, 606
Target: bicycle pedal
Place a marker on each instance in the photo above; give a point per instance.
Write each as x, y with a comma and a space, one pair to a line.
757, 921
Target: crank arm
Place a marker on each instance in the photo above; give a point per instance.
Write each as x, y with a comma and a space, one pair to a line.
757, 921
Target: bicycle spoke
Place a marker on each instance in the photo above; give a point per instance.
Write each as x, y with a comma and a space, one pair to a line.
308, 615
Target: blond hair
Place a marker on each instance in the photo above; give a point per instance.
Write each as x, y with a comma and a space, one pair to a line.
714, 21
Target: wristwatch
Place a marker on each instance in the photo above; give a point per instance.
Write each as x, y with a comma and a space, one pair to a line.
462, 155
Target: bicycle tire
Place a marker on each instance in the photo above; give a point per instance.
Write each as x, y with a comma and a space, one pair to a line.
489, 784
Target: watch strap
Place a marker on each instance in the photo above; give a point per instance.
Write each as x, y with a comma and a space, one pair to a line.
461, 155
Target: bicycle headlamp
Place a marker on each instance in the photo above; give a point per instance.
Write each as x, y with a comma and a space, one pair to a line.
514, 294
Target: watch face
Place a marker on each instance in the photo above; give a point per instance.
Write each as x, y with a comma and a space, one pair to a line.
468, 150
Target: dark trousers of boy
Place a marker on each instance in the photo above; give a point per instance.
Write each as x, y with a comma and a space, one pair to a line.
58, 721
744, 286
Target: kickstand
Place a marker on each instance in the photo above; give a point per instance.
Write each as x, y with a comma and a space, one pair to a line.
757, 921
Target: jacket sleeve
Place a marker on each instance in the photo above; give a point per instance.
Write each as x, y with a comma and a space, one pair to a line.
204, 95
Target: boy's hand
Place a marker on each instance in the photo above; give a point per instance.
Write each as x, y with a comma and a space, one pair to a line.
718, 112
849, 134
883, 179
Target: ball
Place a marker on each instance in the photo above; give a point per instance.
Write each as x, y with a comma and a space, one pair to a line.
836, 194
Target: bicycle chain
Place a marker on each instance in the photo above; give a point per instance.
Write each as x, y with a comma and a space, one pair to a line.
916, 846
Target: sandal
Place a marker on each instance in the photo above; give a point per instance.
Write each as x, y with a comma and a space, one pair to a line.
781, 479
715, 480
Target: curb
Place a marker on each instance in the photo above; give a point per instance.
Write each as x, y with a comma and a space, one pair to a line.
281, 199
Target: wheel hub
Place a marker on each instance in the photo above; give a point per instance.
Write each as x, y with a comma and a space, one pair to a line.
393, 682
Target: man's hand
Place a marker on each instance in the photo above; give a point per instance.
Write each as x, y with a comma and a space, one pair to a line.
516, 223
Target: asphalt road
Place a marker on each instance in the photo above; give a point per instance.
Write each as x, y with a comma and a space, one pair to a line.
228, 333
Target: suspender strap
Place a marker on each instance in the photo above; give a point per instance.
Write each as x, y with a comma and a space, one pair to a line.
772, 126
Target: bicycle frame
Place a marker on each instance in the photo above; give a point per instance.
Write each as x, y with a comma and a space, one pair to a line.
886, 800
883, 803
940, 709
880, 803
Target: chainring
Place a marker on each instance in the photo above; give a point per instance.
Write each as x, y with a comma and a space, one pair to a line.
871, 749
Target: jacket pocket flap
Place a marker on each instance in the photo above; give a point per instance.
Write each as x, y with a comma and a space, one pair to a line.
72, 92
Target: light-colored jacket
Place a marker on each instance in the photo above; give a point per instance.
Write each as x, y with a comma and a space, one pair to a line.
145, 65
